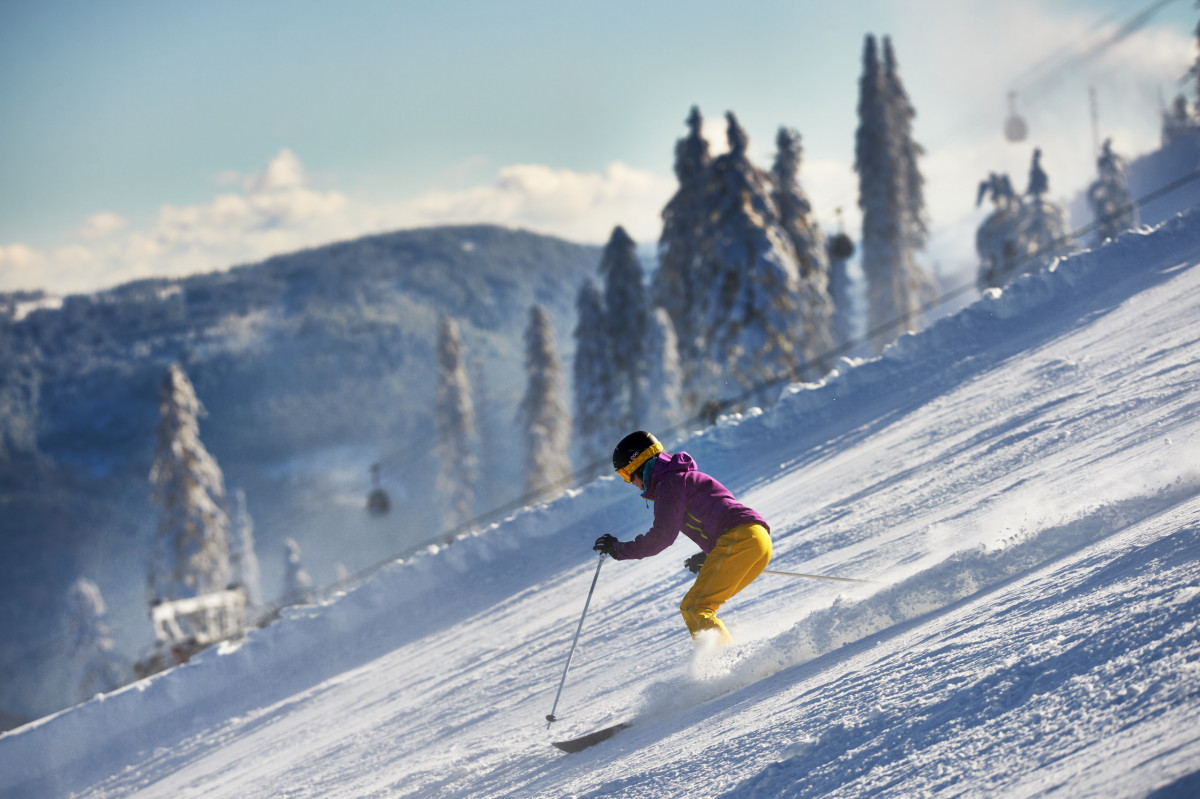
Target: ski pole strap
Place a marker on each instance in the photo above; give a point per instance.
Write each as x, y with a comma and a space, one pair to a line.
550, 719
817, 576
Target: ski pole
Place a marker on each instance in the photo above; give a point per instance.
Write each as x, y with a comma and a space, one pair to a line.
818, 577
551, 718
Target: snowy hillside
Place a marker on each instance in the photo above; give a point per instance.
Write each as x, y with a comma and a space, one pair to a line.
1020, 481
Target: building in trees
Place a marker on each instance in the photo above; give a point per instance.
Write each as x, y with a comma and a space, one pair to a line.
1112, 205
100, 668
891, 199
543, 418
455, 424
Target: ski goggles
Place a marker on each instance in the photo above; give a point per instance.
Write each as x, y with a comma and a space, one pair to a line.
630, 469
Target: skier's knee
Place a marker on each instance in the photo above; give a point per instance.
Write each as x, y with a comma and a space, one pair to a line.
691, 615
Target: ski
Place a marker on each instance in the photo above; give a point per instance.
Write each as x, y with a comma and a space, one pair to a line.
591, 739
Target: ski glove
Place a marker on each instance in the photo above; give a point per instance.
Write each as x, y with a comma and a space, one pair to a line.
694, 563
607, 544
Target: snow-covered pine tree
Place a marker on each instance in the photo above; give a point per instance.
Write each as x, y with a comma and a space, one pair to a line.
191, 552
100, 668
1178, 121
596, 416
542, 416
1044, 236
1039, 181
1109, 196
891, 199
664, 402
297, 584
915, 224
748, 278
876, 195
626, 318
998, 239
243, 561
815, 321
455, 425
675, 286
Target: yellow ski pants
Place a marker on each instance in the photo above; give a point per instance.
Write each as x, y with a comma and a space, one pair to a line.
738, 558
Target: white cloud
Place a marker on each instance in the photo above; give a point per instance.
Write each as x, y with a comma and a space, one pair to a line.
581, 206
98, 226
276, 211
19, 258
283, 172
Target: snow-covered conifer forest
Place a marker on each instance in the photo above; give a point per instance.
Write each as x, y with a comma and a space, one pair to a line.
353, 460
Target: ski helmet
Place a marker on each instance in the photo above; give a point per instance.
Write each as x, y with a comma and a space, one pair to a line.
633, 451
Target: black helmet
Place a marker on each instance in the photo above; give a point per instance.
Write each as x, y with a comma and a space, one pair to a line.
633, 451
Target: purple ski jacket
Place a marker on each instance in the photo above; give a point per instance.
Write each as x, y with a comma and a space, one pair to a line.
689, 501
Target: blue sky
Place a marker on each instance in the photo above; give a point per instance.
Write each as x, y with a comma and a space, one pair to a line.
163, 138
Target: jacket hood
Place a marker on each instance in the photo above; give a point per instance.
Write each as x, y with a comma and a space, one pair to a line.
664, 463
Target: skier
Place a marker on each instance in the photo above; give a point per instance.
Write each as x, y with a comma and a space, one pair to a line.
734, 540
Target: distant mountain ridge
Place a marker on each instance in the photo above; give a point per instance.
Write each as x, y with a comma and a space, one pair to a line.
353, 315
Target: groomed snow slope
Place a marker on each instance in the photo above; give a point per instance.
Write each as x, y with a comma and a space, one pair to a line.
1020, 481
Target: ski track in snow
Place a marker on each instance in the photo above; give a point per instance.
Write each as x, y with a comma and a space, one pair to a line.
1020, 480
